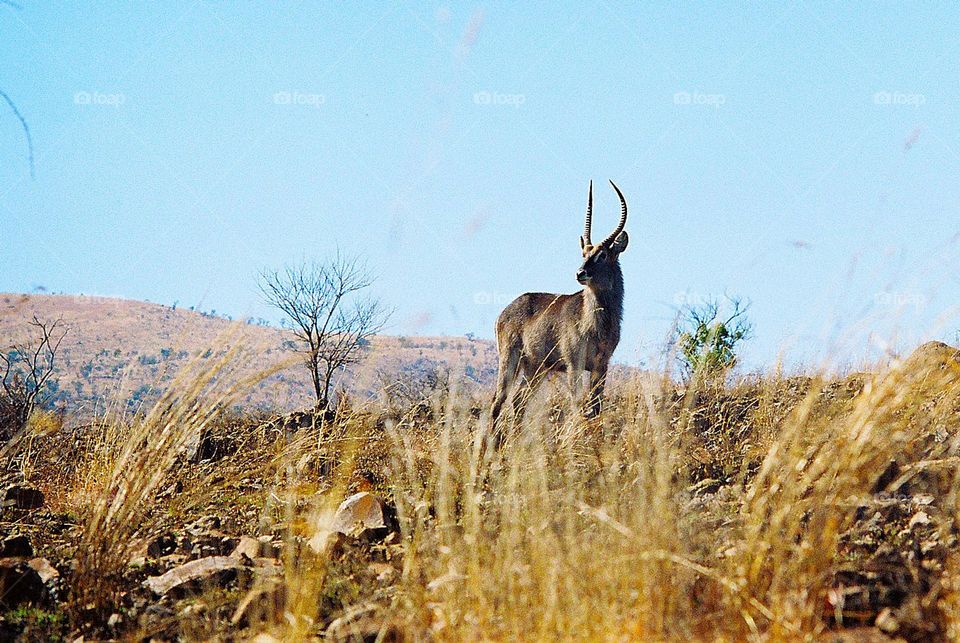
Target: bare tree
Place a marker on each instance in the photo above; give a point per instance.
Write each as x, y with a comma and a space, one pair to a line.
26, 369
330, 320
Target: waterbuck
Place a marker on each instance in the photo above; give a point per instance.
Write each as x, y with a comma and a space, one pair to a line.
541, 333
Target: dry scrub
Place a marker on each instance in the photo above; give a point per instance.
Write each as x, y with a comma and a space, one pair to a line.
779, 509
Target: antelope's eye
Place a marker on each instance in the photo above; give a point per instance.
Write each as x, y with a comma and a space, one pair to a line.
600, 255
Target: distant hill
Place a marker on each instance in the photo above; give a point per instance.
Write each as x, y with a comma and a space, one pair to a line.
120, 353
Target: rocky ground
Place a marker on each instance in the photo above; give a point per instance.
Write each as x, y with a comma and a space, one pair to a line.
221, 548
204, 567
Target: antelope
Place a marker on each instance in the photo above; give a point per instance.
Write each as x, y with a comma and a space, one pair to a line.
541, 333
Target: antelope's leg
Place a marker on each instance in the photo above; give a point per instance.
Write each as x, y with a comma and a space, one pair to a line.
598, 380
575, 368
506, 376
523, 391
521, 394
575, 384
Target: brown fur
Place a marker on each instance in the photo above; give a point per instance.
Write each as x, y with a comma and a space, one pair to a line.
542, 333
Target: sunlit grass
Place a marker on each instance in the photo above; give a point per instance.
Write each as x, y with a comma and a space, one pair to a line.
666, 519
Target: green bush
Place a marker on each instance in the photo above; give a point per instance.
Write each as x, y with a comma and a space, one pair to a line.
707, 340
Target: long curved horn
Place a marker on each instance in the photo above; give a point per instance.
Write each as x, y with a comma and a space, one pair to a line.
623, 216
586, 226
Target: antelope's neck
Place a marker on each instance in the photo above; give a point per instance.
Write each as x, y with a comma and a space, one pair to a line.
603, 307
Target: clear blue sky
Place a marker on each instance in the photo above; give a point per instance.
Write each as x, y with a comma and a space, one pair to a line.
804, 156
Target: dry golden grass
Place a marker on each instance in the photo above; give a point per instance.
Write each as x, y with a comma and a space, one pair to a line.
721, 516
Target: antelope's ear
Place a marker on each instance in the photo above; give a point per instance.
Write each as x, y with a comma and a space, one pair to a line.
583, 243
620, 243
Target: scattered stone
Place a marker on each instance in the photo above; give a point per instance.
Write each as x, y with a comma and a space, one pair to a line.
288, 425
20, 583
934, 355
190, 576
268, 547
264, 638
211, 447
210, 543
160, 620
172, 490
23, 497
886, 622
162, 545
360, 515
384, 572
159, 611
194, 609
255, 549
47, 572
247, 547
204, 524
172, 560
363, 624
114, 620
919, 518
327, 543
16, 546
361, 509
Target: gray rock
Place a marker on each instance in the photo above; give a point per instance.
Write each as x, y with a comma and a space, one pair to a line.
191, 576
247, 547
162, 545
23, 497
204, 524
16, 546
327, 543
361, 515
361, 510
886, 621
920, 518
268, 547
20, 583
253, 548
47, 572
210, 543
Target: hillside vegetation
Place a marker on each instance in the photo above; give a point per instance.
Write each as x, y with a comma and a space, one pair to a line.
125, 353
798, 508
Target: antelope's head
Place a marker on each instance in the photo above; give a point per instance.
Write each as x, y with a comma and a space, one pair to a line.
600, 266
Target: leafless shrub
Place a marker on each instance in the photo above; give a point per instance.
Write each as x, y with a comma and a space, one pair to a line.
27, 368
330, 321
